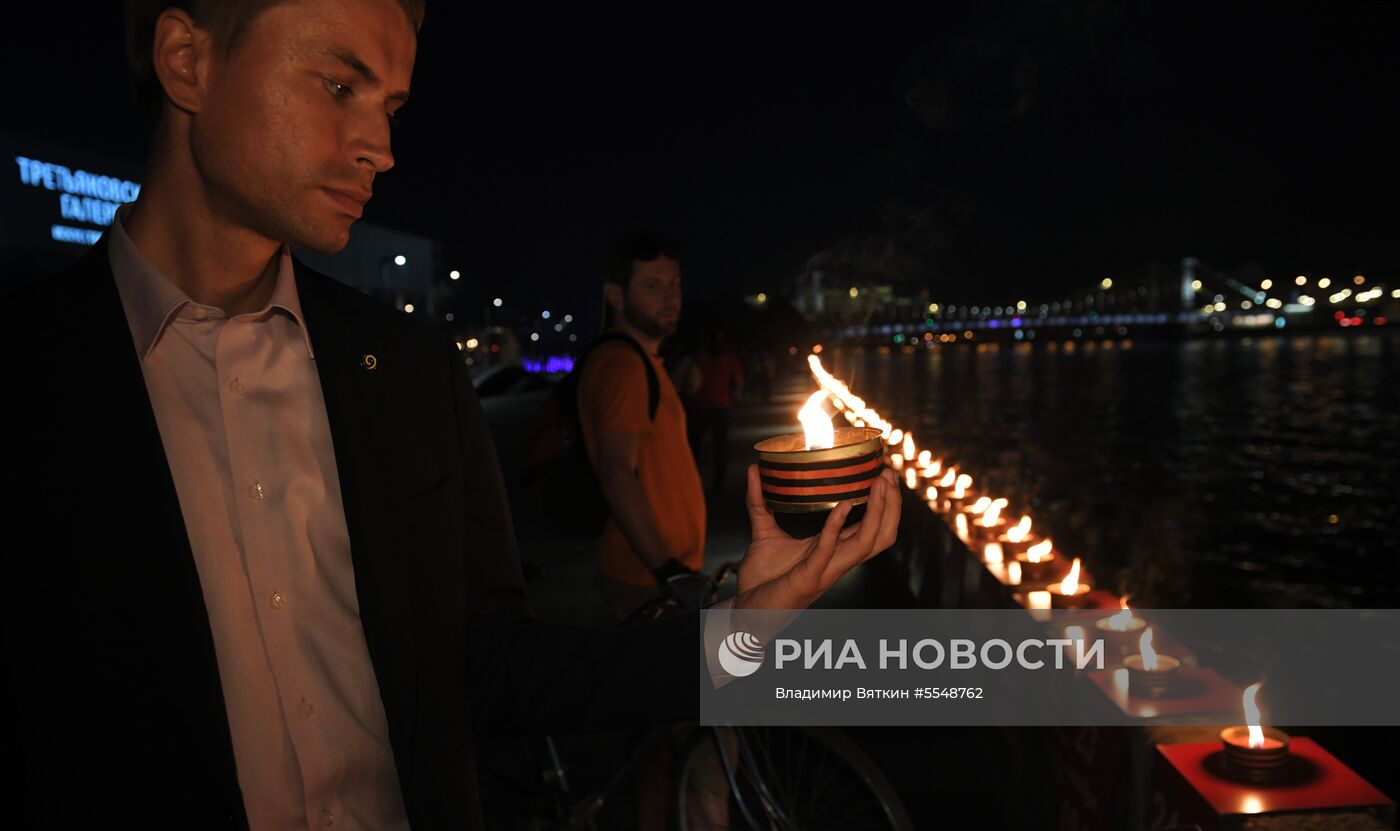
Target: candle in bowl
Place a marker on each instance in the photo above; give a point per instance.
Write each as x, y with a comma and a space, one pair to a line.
1149, 674
1070, 593
990, 525
962, 494
1123, 628
1038, 562
1254, 753
814, 470
1017, 538
944, 486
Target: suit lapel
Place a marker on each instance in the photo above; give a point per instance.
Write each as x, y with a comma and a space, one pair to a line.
130, 500
358, 371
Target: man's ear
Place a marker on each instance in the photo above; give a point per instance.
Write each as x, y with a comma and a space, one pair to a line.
180, 57
615, 296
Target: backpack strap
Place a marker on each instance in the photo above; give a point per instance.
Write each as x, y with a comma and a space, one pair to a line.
653, 383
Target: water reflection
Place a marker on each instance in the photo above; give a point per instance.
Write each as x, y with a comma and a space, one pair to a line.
1200, 473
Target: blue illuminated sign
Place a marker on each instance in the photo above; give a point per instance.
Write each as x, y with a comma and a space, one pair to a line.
85, 197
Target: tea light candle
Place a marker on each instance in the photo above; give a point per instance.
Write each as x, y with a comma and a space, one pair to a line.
1070, 593
1150, 674
944, 485
1038, 561
1255, 753
1122, 628
990, 524
1017, 538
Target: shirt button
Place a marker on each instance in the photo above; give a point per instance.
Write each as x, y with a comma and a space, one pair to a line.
277, 600
257, 492
327, 818
237, 388
200, 314
306, 709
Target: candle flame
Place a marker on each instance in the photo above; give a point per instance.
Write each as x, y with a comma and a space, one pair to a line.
1019, 531
1251, 716
992, 553
1121, 621
1039, 550
895, 437
816, 424
1013, 573
909, 446
948, 478
963, 482
1149, 655
925, 457
982, 504
960, 526
993, 513
933, 468
1070, 585
911, 478
931, 494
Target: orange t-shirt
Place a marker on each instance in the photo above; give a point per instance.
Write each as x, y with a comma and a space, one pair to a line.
612, 397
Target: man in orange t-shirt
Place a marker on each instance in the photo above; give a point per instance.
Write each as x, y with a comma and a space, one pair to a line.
644, 464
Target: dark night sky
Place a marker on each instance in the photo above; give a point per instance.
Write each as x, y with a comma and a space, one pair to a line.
986, 153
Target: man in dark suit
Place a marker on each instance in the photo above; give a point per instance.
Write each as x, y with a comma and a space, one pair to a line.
262, 571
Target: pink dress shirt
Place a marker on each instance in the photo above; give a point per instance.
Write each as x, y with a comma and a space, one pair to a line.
241, 415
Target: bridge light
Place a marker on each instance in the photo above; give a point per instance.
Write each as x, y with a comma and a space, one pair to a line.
1106, 283
1266, 284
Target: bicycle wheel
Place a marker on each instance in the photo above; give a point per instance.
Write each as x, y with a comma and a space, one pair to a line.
790, 779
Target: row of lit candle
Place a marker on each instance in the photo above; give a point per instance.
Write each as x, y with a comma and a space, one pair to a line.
979, 519
1011, 551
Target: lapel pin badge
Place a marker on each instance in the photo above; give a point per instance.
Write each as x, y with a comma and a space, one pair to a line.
369, 362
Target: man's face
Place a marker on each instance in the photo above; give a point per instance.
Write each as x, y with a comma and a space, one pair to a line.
653, 300
295, 122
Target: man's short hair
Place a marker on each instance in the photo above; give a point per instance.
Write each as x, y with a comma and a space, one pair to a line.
226, 20
643, 244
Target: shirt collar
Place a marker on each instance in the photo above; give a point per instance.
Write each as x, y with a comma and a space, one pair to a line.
152, 301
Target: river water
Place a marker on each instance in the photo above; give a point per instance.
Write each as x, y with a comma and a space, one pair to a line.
1204, 473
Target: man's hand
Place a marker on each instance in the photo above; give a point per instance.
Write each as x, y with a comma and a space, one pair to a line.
779, 572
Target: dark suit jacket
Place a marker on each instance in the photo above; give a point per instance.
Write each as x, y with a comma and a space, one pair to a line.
115, 707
